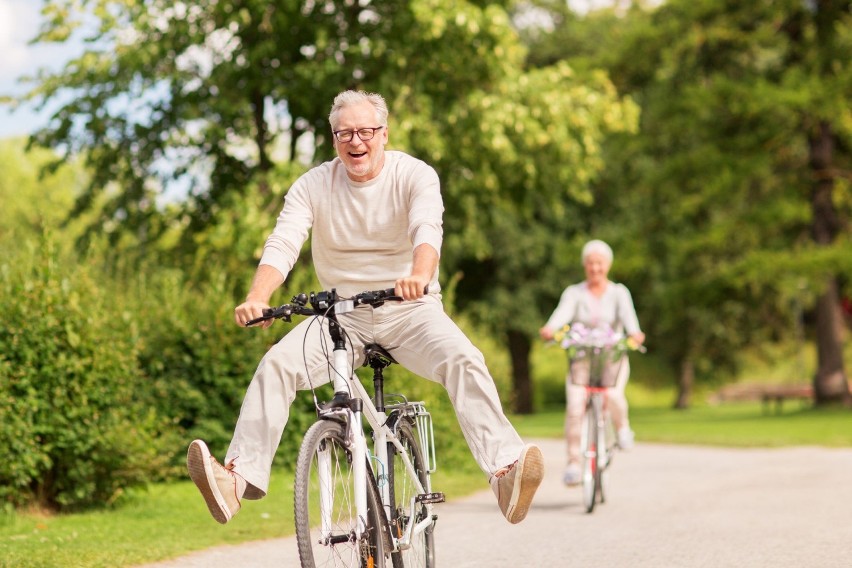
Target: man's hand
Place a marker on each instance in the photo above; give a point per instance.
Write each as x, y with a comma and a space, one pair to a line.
249, 310
411, 287
266, 280
546, 333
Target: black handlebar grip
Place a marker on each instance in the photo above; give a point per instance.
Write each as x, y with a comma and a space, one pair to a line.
392, 291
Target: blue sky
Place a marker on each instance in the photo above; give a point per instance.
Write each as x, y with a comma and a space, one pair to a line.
19, 23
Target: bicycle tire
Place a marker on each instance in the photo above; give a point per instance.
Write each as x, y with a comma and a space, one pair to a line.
339, 548
421, 553
590, 472
603, 458
607, 439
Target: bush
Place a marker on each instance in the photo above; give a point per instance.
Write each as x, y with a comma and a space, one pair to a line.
78, 423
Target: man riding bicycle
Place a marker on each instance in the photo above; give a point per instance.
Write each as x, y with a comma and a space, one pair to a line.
375, 218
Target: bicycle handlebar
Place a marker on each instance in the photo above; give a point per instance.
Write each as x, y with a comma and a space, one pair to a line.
327, 304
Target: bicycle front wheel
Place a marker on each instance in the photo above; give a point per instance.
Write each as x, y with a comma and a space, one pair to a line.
589, 445
404, 520
326, 518
606, 441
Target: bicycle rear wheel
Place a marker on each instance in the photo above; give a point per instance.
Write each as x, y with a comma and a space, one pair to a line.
589, 446
325, 504
421, 553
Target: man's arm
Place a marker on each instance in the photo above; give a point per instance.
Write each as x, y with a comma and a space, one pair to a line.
267, 279
424, 264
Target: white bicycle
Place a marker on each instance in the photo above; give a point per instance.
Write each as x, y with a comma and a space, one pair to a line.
357, 506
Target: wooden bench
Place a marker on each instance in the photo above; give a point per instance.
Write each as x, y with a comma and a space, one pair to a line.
779, 393
767, 393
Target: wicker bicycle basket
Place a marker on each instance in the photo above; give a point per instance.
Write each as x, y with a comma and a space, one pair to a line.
595, 366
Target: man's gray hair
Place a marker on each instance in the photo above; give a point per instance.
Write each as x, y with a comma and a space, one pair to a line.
347, 98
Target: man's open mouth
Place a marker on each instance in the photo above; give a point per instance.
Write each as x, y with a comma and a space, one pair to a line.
357, 155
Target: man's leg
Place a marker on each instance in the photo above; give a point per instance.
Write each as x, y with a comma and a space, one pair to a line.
297, 362
427, 342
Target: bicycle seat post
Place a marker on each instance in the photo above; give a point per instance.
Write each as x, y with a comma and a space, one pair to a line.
378, 384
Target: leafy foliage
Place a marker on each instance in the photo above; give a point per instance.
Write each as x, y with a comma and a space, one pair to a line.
77, 415
215, 95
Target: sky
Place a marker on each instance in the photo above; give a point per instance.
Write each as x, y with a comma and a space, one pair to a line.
19, 23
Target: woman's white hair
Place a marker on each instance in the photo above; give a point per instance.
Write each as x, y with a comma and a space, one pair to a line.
599, 247
347, 98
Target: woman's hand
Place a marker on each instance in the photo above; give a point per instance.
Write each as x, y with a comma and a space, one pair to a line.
638, 337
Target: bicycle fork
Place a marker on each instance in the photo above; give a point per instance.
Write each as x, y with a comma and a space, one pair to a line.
597, 450
601, 448
352, 407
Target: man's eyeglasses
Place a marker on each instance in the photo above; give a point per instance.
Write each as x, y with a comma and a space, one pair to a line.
363, 133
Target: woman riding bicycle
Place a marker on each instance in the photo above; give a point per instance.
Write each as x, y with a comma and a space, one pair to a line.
596, 303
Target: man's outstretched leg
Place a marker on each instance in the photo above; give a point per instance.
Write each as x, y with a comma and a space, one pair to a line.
431, 345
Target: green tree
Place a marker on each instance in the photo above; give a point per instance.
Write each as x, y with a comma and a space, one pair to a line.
518, 159
33, 204
738, 176
215, 94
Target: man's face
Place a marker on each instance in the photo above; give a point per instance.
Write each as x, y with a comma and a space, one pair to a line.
363, 159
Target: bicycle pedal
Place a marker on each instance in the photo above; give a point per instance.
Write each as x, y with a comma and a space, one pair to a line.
436, 497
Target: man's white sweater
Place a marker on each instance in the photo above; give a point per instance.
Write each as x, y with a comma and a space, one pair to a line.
363, 233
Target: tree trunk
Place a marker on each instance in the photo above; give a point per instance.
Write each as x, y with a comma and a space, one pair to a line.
519, 350
830, 384
685, 383
258, 103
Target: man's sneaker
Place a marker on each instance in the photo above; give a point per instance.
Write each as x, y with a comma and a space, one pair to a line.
625, 438
516, 485
572, 475
219, 485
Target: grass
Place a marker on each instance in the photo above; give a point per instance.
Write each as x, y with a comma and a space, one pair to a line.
165, 521
739, 425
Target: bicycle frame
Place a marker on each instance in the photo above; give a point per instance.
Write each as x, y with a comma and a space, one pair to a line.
373, 498
346, 384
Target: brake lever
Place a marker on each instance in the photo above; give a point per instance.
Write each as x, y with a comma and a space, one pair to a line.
281, 312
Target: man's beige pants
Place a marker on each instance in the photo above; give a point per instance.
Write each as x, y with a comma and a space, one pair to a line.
419, 335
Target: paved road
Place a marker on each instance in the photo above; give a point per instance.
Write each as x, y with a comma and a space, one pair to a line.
667, 507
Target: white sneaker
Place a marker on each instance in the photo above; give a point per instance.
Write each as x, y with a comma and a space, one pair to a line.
572, 475
625, 438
